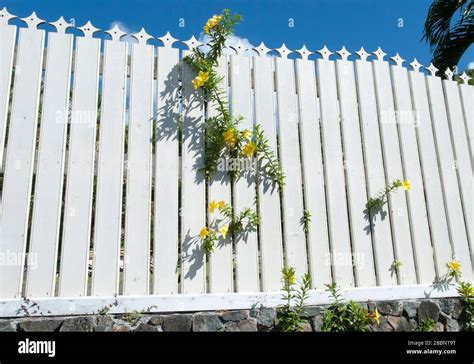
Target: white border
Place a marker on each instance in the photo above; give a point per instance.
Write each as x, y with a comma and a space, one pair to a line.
64, 306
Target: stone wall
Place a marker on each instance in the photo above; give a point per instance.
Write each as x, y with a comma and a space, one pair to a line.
395, 316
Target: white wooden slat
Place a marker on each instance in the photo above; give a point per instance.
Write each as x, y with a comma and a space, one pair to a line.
166, 242
221, 259
446, 160
108, 213
461, 152
313, 174
423, 251
334, 175
193, 202
394, 170
44, 242
139, 171
80, 173
364, 269
271, 244
431, 175
467, 98
20, 159
381, 230
246, 245
7, 50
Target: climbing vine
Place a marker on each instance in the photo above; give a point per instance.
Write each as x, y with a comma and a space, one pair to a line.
376, 203
223, 137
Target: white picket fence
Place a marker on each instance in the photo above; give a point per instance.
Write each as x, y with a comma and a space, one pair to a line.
343, 129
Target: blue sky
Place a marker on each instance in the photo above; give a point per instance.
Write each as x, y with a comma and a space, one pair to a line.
353, 23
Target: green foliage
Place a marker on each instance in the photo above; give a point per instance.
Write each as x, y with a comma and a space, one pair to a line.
291, 315
376, 203
449, 30
223, 139
246, 220
342, 316
466, 292
305, 220
425, 326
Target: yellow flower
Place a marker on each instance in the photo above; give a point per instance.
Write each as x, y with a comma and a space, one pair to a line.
376, 316
212, 206
224, 230
246, 133
229, 137
204, 233
200, 79
220, 205
249, 149
454, 266
212, 22
406, 184
206, 28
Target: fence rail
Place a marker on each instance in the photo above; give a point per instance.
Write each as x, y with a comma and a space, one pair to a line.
103, 193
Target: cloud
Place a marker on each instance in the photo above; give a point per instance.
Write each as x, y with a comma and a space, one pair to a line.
125, 28
232, 40
470, 66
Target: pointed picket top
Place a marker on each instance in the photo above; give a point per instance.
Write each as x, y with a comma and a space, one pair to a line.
415, 66
116, 33
362, 54
379, 53
61, 25
325, 53
432, 69
33, 21
304, 52
283, 51
449, 74
192, 43
262, 49
88, 29
5, 16
238, 47
167, 40
398, 60
142, 36
343, 53
465, 78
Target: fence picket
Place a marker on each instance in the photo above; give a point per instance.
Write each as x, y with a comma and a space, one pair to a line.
423, 251
467, 98
313, 174
7, 50
108, 215
193, 187
221, 259
271, 243
292, 196
138, 210
393, 168
452, 199
334, 175
165, 251
47, 207
80, 174
246, 245
380, 225
461, 152
355, 174
20, 157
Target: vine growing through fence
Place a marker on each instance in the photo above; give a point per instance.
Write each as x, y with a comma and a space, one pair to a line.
224, 140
